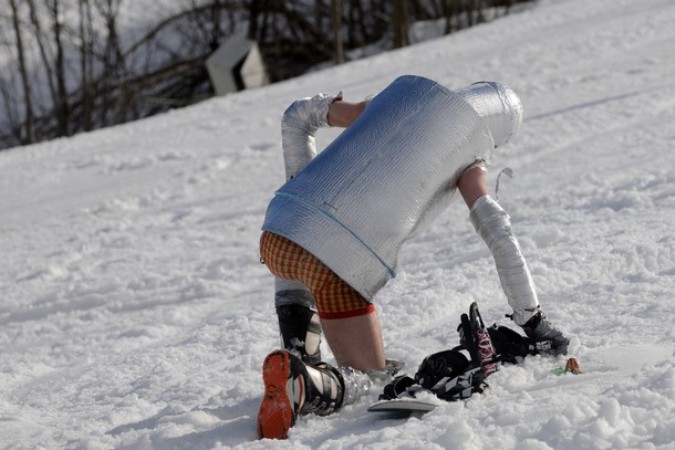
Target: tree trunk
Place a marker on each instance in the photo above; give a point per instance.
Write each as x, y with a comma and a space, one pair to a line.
29, 136
86, 70
400, 24
337, 32
61, 106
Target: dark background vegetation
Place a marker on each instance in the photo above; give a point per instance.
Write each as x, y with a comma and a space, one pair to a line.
71, 67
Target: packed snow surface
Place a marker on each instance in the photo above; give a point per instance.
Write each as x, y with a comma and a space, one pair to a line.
134, 312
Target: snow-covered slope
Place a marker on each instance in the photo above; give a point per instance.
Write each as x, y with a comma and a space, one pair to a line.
134, 313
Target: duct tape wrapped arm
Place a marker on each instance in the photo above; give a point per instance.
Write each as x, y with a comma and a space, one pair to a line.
299, 124
500, 108
493, 225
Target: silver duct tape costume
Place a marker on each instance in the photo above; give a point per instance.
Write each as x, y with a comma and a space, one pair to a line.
381, 180
388, 175
498, 106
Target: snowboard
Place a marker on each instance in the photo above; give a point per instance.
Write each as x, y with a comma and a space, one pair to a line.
405, 406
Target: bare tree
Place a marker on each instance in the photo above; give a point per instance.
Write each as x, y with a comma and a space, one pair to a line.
46, 59
87, 36
337, 31
400, 23
12, 121
62, 107
28, 137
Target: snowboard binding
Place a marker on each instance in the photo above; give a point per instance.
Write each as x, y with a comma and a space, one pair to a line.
453, 374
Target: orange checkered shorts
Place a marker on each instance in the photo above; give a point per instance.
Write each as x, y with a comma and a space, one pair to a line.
334, 298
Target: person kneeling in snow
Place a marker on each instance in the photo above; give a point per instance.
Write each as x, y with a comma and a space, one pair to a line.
332, 233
